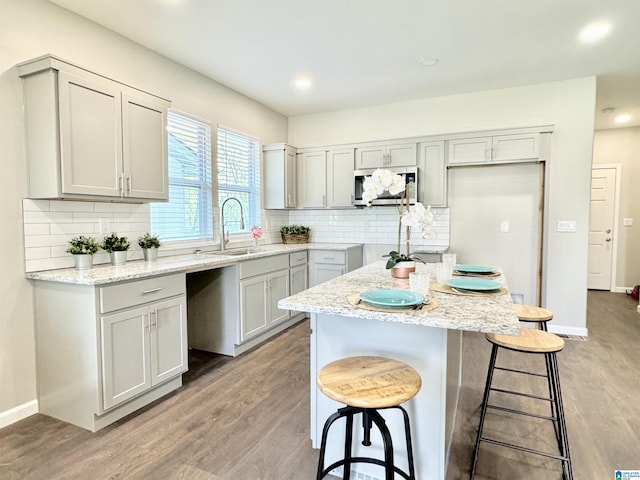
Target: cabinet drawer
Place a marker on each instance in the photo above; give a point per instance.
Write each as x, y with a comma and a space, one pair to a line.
297, 258
138, 292
259, 266
328, 256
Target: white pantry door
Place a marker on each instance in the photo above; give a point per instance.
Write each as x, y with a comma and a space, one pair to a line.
601, 221
495, 220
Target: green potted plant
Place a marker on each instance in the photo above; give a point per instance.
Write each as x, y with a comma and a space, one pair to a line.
149, 244
295, 234
117, 246
82, 248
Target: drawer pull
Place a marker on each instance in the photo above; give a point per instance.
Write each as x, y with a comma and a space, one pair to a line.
153, 290
329, 258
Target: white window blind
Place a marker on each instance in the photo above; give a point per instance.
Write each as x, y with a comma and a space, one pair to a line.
239, 177
189, 213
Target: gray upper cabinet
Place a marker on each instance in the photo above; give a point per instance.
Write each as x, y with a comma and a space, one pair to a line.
312, 179
89, 136
432, 174
494, 149
376, 155
279, 162
340, 177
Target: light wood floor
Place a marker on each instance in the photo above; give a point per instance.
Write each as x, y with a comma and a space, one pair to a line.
247, 418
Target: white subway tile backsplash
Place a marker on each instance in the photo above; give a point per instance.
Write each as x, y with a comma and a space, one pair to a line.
112, 207
47, 217
70, 206
36, 229
29, 205
37, 253
73, 228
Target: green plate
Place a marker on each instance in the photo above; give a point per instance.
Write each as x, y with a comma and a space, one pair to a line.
391, 298
477, 284
474, 268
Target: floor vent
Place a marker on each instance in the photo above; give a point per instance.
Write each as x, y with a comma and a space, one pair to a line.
354, 475
572, 337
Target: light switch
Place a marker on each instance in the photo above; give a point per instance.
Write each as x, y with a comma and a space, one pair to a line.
566, 225
504, 226
627, 222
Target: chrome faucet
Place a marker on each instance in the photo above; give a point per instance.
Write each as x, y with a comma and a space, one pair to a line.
224, 240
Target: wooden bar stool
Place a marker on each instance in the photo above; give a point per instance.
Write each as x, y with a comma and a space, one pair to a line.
529, 313
365, 385
530, 341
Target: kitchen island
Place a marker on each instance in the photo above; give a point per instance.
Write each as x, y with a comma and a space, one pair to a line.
429, 339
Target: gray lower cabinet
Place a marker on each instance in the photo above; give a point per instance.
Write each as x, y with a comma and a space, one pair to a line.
105, 351
259, 297
327, 264
235, 308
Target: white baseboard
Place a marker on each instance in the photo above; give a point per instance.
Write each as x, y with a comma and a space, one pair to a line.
18, 413
561, 329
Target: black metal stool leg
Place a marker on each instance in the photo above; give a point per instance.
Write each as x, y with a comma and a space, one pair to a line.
567, 470
483, 411
348, 442
387, 442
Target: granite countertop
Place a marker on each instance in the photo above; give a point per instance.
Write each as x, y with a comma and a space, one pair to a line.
103, 274
494, 314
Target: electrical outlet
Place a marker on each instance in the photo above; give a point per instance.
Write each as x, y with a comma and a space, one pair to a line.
627, 222
105, 225
504, 226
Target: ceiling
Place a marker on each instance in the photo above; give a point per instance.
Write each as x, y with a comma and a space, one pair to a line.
369, 52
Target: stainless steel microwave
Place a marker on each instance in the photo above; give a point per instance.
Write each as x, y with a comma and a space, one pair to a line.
410, 175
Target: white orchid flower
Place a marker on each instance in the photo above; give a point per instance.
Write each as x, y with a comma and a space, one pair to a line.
368, 196
372, 186
384, 177
397, 184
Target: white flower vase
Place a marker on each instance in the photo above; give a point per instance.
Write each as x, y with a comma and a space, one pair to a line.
118, 258
150, 254
82, 261
403, 269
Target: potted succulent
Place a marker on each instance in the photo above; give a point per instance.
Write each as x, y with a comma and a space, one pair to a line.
82, 248
117, 247
295, 234
149, 244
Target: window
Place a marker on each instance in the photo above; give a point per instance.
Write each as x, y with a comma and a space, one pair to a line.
189, 214
239, 177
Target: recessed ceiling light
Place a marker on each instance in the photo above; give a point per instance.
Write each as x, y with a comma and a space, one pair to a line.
594, 32
622, 118
302, 83
428, 62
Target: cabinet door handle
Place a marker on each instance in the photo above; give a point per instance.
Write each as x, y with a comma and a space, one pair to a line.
153, 314
153, 290
129, 184
324, 200
121, 185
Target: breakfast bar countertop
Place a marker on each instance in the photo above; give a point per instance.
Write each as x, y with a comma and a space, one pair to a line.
479, 313
136, 269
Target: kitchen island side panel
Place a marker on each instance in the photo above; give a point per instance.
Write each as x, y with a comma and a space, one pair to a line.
425, 349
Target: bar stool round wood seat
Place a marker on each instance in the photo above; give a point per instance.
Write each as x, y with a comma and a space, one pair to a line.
530, 313
531, 341
366, 384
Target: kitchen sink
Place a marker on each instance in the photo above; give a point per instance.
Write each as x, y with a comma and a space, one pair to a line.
234, 252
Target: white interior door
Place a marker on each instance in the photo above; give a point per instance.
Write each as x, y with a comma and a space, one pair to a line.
601, 222
495, 221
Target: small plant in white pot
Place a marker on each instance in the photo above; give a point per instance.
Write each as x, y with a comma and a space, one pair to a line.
149, 244
117, 247
82, 248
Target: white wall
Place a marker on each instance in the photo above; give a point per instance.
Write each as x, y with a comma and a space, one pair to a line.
31, 28
622, 146
568, 105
